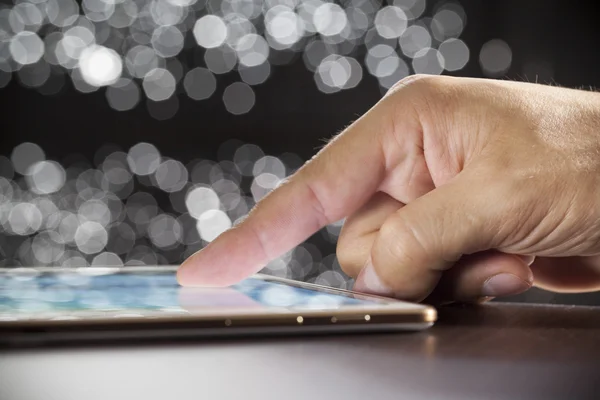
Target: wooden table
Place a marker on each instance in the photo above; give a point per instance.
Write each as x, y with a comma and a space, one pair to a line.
495, 351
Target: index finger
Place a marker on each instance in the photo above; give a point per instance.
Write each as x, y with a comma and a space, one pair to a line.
335, 183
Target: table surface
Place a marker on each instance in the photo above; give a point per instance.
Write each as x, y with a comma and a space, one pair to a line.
493, 351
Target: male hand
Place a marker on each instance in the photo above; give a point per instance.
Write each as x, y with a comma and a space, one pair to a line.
450, 186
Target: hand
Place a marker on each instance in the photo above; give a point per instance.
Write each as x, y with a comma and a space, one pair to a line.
450, 186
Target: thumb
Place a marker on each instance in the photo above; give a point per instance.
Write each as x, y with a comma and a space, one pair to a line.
416, 244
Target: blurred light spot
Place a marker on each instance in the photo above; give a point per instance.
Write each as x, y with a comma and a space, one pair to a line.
46, 177
34, 75
414, 39
428, 61
210, 31
335, 72
68, 226
382, 60
239, 98
25, 16
164, 231
47, 247
51, 40
171, 176
220, 60
26, 48
123, 95
107, 259
402, 71
24, 219
25, 155
62, 12
98, 10
76, 40
212, 223
165, 13
269, 164
252, 50
182, 3
121, 238
237, 27
359, 21
199, 83
80, 84
390, 22
140, 60
277, 267
143, 159
167, 41
255, 75
330, 278
329, 19
306, 10
413, 8
284, 26
125, 13
91, 237
100, 66
175, 68
201, 199
495, 58
446, 23
456, 54
245, 158
315, 52
95, 211
263, 184
159, 84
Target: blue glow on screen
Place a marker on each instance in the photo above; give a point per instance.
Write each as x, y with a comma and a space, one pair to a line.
151, 291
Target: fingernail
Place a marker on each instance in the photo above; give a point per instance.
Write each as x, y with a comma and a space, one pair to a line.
368, 282
504, 285
528, 259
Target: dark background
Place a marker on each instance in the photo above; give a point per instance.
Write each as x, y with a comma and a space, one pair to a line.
552, 42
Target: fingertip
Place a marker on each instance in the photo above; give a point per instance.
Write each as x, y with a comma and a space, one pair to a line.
230, 258
484, 275
369, 282
185, 272
504, 284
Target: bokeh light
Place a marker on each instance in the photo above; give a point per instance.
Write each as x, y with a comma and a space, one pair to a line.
200, 83
159, 84
495, 58
210, 31
151, 52
239, 98
123, 95
100, 66
137, 206
26, 47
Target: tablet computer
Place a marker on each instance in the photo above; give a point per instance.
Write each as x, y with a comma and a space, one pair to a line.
44, 305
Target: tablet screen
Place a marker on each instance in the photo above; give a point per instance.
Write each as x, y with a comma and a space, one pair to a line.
131, 292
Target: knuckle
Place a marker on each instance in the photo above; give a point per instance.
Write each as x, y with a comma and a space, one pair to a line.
420, 80
396, 244
346, 255
433, 100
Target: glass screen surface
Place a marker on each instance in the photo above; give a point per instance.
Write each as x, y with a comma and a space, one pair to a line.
159, 292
